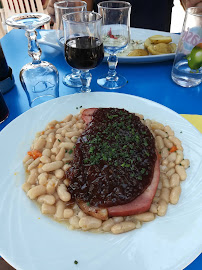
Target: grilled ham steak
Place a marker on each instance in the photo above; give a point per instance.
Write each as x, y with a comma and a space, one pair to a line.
115, 171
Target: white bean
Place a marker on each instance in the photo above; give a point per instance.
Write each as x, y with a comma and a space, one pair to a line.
51, 185
51, 124
45, 159
60, 207
170, 172
87, 223
153, 208
74, 222
176, 141
49, 145
60, 154
165, 182
165, 194
174, 180
107, 225
55, 150
156, 125
175, 195
168, 130
181, 171
63, 193
32, 177
72, 134
122, 227
160, 133
145, 217
59, 173
164, 152
162, 208
117, 219
159, 142
34, 164
53, 158
68, 213
43, 178
172, 157
179, 157
26, 187
171, 165
185, 163
46, 152
68, 118
39, 144
26, 158
66, 145
168, 143
66, 167
47, 209
81, 214
52, 166
48, 199
36, 191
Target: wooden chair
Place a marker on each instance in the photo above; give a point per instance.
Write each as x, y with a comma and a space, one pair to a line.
12, 7
2, 32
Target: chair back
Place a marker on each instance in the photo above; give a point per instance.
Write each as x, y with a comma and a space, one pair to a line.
2, 32
12, 7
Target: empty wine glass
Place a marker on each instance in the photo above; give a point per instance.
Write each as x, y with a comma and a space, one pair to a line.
116, 37
83, 43
39, 79
61, 8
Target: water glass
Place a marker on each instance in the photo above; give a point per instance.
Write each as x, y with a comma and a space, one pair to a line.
116, 37
187, 67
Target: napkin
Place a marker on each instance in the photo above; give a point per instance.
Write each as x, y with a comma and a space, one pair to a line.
195, 120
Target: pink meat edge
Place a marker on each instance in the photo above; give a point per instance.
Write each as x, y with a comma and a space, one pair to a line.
87, 115
142, 203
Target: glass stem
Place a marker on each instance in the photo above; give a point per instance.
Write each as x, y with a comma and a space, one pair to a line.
75, 73
112, 63
86, 78
34, 50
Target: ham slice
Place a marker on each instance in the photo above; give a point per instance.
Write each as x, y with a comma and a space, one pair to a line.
140, 205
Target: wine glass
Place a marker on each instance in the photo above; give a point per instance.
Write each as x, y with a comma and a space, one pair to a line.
61, 8
116, 37
39, 79
83, 43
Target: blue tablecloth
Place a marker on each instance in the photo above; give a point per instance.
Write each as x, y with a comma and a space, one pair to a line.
151, 81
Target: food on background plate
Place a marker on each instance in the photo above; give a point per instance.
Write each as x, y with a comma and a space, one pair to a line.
159, 45
153, 45
99, 170
138, 52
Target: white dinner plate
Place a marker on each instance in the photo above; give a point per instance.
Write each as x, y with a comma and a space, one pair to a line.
49, 38
32, 241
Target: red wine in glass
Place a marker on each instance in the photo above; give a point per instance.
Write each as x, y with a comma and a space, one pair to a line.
84, 52
4, 112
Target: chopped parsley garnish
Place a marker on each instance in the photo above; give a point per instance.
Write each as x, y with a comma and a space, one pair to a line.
59, 140
76, 262
70, 151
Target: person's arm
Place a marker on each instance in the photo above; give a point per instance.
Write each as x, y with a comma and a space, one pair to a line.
191, 3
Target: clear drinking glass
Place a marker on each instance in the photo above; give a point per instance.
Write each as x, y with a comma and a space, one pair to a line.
83, 43
61, 8
39, 79
187, 66
116, 36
